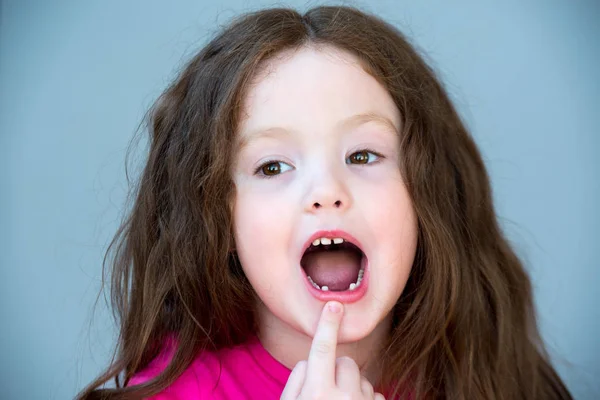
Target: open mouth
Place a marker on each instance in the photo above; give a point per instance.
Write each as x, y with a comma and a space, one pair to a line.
334, 264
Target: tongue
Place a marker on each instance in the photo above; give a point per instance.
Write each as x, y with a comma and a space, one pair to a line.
336, 269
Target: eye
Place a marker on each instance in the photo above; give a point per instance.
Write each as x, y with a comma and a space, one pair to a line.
272, 168
365, 156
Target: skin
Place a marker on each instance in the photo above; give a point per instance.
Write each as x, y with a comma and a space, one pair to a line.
299, 121
323, 376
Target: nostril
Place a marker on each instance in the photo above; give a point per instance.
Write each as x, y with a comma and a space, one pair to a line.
337, 204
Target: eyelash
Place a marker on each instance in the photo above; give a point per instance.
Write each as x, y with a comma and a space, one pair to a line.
258, 170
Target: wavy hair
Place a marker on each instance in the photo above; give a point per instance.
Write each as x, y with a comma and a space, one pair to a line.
464, 326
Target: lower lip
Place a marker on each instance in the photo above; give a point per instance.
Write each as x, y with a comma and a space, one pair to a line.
347, 296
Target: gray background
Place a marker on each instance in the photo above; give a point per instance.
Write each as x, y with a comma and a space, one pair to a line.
76, 78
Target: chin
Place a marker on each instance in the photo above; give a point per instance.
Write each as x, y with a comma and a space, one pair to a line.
355, 328
352, 334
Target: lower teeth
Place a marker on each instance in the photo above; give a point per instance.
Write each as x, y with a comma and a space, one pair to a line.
352, 286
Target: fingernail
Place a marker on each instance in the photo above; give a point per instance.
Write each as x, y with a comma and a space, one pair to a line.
334, 307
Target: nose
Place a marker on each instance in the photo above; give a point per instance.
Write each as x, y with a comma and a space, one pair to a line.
327, 192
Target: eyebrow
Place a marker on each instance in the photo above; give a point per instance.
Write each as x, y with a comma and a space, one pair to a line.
345, 124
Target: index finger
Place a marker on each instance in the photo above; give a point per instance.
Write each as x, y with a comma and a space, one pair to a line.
321, 359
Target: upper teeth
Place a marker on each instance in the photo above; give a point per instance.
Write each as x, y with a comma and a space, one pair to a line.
327, 241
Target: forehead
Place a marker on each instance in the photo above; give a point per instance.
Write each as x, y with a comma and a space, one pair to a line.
313, 89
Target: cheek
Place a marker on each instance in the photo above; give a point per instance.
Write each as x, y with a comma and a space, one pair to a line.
256, 215
262, 231
393, 222
400, 219
387, 203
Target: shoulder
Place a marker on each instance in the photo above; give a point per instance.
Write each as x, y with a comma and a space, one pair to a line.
196, 381
243, 371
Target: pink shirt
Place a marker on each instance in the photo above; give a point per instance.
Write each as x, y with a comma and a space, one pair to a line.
247, 371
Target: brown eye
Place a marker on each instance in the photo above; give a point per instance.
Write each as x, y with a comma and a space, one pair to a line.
360, 157
363, 157
271, 169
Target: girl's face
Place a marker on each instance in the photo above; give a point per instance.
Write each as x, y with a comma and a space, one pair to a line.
319, 151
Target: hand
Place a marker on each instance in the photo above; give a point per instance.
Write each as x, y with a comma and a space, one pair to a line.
324, 376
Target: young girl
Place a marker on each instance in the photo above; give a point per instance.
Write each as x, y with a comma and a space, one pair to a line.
312, 201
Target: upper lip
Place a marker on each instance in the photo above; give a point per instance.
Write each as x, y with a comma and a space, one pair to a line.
331, 234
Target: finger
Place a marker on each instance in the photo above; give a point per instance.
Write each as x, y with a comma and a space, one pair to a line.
366, 388
347, 374
378, 396
321, 358
295, 381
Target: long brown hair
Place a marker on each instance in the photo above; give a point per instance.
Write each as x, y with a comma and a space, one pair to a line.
464, 327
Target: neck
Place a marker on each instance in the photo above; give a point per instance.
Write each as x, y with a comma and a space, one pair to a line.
288, 345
